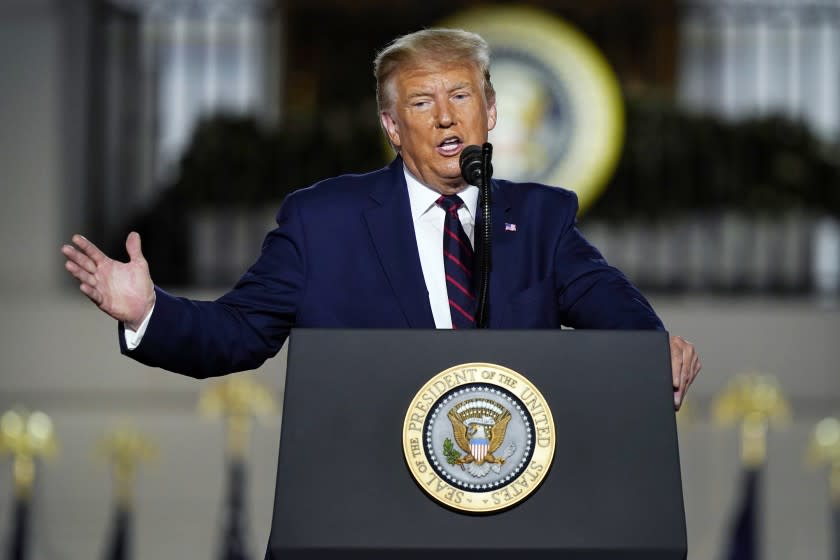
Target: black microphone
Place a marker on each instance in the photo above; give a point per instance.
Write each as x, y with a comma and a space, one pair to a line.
471, 169
477, 170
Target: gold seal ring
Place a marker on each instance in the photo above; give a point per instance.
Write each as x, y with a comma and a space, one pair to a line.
479, 437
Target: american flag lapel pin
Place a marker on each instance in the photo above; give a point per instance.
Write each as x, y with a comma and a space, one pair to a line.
510, 227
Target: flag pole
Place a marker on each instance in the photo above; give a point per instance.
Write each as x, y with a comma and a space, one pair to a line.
124, 449
26, 437
753, 402
824, 452
238, 399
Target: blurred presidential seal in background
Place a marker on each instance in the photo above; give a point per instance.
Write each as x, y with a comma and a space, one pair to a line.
561, 116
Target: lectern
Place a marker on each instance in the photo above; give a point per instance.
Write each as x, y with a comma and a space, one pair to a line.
345, 487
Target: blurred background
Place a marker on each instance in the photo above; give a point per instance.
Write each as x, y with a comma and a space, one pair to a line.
702, 136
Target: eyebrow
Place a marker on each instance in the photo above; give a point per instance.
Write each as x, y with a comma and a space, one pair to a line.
424, 93
460, 85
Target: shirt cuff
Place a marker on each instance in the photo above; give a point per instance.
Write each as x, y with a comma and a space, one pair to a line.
133, 338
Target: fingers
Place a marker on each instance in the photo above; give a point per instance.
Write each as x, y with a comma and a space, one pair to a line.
82, 265
684, 377
132, 245
676, 363
89, 249
685, 365
694, 369
92, 293
681, 358
78, 258
80, 273
87, 282
679, 390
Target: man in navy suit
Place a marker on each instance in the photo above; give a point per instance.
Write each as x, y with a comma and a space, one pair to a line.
365, 251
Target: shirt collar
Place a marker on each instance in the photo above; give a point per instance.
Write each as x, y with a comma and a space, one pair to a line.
422, 198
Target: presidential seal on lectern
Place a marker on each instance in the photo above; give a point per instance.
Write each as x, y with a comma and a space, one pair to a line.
478, 437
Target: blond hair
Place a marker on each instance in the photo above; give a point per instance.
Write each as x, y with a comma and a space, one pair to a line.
430, 47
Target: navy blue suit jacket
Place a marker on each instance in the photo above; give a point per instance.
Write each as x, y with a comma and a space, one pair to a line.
344, 255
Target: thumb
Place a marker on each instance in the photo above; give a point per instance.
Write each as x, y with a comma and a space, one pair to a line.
132, 245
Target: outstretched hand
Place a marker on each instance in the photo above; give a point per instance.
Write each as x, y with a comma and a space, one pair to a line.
685, 365
122, 290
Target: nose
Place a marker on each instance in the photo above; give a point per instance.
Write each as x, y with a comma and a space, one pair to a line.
445, 116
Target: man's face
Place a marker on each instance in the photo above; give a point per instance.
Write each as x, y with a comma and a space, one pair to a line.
435, 113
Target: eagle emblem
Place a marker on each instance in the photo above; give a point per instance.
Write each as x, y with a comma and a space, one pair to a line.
479, 426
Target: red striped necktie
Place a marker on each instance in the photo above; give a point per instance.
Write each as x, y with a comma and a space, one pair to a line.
458, 265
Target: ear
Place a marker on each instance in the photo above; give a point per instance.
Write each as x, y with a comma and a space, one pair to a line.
491, 116
389, 125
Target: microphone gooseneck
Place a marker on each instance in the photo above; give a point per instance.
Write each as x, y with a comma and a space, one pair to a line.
476, 169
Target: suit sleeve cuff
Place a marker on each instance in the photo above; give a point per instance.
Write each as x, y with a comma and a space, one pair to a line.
133, 338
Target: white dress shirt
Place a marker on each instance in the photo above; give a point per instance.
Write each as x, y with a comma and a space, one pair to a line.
427, 218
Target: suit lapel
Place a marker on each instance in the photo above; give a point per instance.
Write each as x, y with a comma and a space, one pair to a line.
392, 232
505, 256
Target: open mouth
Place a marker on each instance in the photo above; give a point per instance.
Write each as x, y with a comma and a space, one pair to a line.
450, 146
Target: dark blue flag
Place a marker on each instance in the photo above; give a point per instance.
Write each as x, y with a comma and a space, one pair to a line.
19, 532
835, 513
234, 544
744, 532
118, 546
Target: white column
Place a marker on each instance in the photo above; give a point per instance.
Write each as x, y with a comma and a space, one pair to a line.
149, 33
811, 72
794, 78
246, 31
173, 102
692, 62
729, 84
828, 124
211, 37
274, 64
762, 82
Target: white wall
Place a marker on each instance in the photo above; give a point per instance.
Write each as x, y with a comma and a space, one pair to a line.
30, 175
